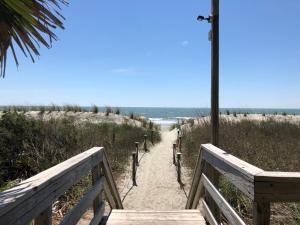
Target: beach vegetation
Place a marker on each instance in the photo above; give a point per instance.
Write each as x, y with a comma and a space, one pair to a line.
28, 25
117, 111
175, 126
29, 146
191, 122
94, 109
227, 112
108, 110
131, 115
261, 143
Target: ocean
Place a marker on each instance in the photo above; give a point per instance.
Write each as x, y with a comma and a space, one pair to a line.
168, 116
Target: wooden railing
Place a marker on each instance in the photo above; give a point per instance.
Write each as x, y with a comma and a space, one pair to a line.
262, 187
32, 199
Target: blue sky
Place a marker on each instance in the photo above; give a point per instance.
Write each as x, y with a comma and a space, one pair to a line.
155, 53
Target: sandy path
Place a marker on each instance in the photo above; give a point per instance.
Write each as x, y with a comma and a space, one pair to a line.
157, 187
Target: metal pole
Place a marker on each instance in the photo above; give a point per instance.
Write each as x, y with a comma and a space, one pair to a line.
215, 72
212, 172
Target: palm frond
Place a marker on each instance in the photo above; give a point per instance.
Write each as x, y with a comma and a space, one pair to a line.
27, 24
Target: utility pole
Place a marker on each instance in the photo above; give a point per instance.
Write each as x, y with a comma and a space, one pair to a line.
214, 38
215, 72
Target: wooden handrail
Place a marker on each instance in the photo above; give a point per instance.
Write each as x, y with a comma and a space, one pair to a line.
32, 199
260, 186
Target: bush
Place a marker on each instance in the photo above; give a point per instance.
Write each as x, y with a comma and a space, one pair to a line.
117, 111
191, 122
29, 146
94, 109
131, 116
175, 126
227, 112
108, 110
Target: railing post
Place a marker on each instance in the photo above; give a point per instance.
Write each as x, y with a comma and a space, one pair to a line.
180, 144
145, 143
178, 133
137, 152
178, 167
213, 175
152, 136
96, 175
261, 213
45, 218
174, 151
134, 169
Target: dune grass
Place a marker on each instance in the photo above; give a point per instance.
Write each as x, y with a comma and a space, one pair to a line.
29, 146
269, 145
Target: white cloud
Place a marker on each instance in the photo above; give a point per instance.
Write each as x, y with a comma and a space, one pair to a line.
184, 43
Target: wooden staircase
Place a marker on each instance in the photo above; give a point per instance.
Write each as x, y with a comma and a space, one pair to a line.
32, 199
134, 217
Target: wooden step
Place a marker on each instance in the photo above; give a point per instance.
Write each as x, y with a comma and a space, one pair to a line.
134, 217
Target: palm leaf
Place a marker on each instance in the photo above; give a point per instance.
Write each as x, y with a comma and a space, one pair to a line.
27, 23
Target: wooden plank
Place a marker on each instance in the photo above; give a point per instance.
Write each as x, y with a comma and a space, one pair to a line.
183, 217
111, 182
26, 201
86, 201
224, 206
45, 218
108, 196
277, 187
239, 172
196, 180
96, 176
207, 213
213, 176
98, 215
261, 213
199, 193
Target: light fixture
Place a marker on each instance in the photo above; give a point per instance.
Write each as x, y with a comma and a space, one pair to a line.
201, 18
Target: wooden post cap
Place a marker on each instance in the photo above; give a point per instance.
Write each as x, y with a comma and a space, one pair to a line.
145, 136
174, 145
178, 154
133, 153
136, 143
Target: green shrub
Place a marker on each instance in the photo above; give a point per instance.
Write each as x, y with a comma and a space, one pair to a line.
94, 109
175, 126
117, 111
108, 110
28, 146
131, 116
191, 122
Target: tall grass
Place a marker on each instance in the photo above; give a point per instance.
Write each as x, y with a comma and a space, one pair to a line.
29, 146
270, 145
